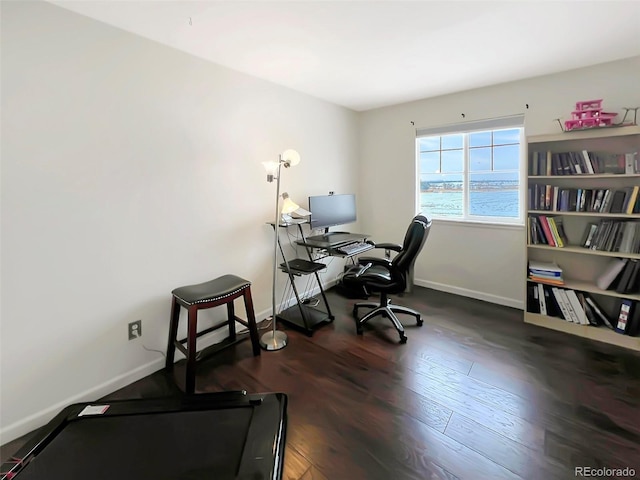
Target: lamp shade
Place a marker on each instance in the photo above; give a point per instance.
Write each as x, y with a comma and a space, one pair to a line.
288, 205
270, 167
290, 157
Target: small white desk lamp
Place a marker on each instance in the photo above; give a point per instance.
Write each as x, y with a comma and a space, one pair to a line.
288, 207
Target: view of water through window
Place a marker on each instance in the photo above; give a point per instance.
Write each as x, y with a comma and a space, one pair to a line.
489, 198
491, 161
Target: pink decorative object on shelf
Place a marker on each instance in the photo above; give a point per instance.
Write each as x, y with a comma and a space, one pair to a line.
589, 114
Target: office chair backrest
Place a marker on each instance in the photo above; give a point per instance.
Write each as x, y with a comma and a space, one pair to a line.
414, 240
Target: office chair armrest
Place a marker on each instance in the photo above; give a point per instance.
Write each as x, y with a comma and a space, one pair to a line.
385, 262
389, 246
362, 269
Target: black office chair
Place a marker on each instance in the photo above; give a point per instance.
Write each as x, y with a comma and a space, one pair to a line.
389, 276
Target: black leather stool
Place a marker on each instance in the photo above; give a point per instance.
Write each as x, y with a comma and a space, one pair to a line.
222, 290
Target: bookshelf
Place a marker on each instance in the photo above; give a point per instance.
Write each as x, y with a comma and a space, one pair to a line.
545, 185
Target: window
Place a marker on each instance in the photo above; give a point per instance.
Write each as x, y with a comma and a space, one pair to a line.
471, 174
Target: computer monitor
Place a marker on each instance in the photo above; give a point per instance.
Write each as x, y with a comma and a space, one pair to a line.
330, 210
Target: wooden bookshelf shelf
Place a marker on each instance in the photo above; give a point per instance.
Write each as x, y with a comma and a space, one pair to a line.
584, 176
583, 286
596, 134
551, 213
586, 251
600, 334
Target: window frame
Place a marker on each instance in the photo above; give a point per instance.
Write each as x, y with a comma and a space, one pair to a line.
491, 125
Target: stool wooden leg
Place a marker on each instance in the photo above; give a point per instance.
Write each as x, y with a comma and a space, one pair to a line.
231, 315
251, 321
173, 333
192, 333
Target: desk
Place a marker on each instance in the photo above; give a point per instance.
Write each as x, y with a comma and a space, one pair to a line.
301, 316
227, 435
331, 242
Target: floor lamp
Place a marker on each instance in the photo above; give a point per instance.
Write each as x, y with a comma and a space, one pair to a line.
275, 339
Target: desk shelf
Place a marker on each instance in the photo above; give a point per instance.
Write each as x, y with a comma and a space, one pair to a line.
302, 316
300, 266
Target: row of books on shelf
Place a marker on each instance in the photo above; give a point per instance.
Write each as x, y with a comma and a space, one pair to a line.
613, 236
548, 272
583, 163
606, 200
607, 235
546, 230
621, 275
582, 309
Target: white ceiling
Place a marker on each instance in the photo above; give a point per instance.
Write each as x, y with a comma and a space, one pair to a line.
368, 54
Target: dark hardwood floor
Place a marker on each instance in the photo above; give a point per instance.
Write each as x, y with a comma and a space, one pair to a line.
474, 394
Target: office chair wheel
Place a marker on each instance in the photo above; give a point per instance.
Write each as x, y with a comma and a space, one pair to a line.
403, 338
420, 321
359, 330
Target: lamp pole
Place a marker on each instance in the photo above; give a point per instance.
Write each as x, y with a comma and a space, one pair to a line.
275, 340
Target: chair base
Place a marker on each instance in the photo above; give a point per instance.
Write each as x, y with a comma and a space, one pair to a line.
386, 309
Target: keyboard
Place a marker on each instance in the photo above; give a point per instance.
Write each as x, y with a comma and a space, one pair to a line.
354, 248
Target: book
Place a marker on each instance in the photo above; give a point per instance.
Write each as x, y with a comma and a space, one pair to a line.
612, 163
628, 234
606, 201
598, 311
533, 305
589, 234
587, 161
628, 277
602, 234
549, 280
597, 204
633, 197
588, 200
562, 303
622, 323
557, 228
634, 281
547, 231
631, 163
590, 314
579, 315
553, 310
617, 201
541, 299
610, 273
545, 272
633, 329
544, 266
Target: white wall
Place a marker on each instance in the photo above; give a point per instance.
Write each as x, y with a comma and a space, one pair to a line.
477, 261
129, 169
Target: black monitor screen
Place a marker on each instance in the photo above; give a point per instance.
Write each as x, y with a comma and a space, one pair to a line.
330, 210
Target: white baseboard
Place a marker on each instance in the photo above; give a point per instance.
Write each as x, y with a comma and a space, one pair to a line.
487, 297
38, 419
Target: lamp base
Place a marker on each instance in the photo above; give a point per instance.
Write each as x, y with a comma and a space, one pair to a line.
273, 340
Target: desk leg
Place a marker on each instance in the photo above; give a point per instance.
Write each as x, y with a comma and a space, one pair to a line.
305, 319
324, 298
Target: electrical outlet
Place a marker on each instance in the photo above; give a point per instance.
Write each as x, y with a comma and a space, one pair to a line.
135, 329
